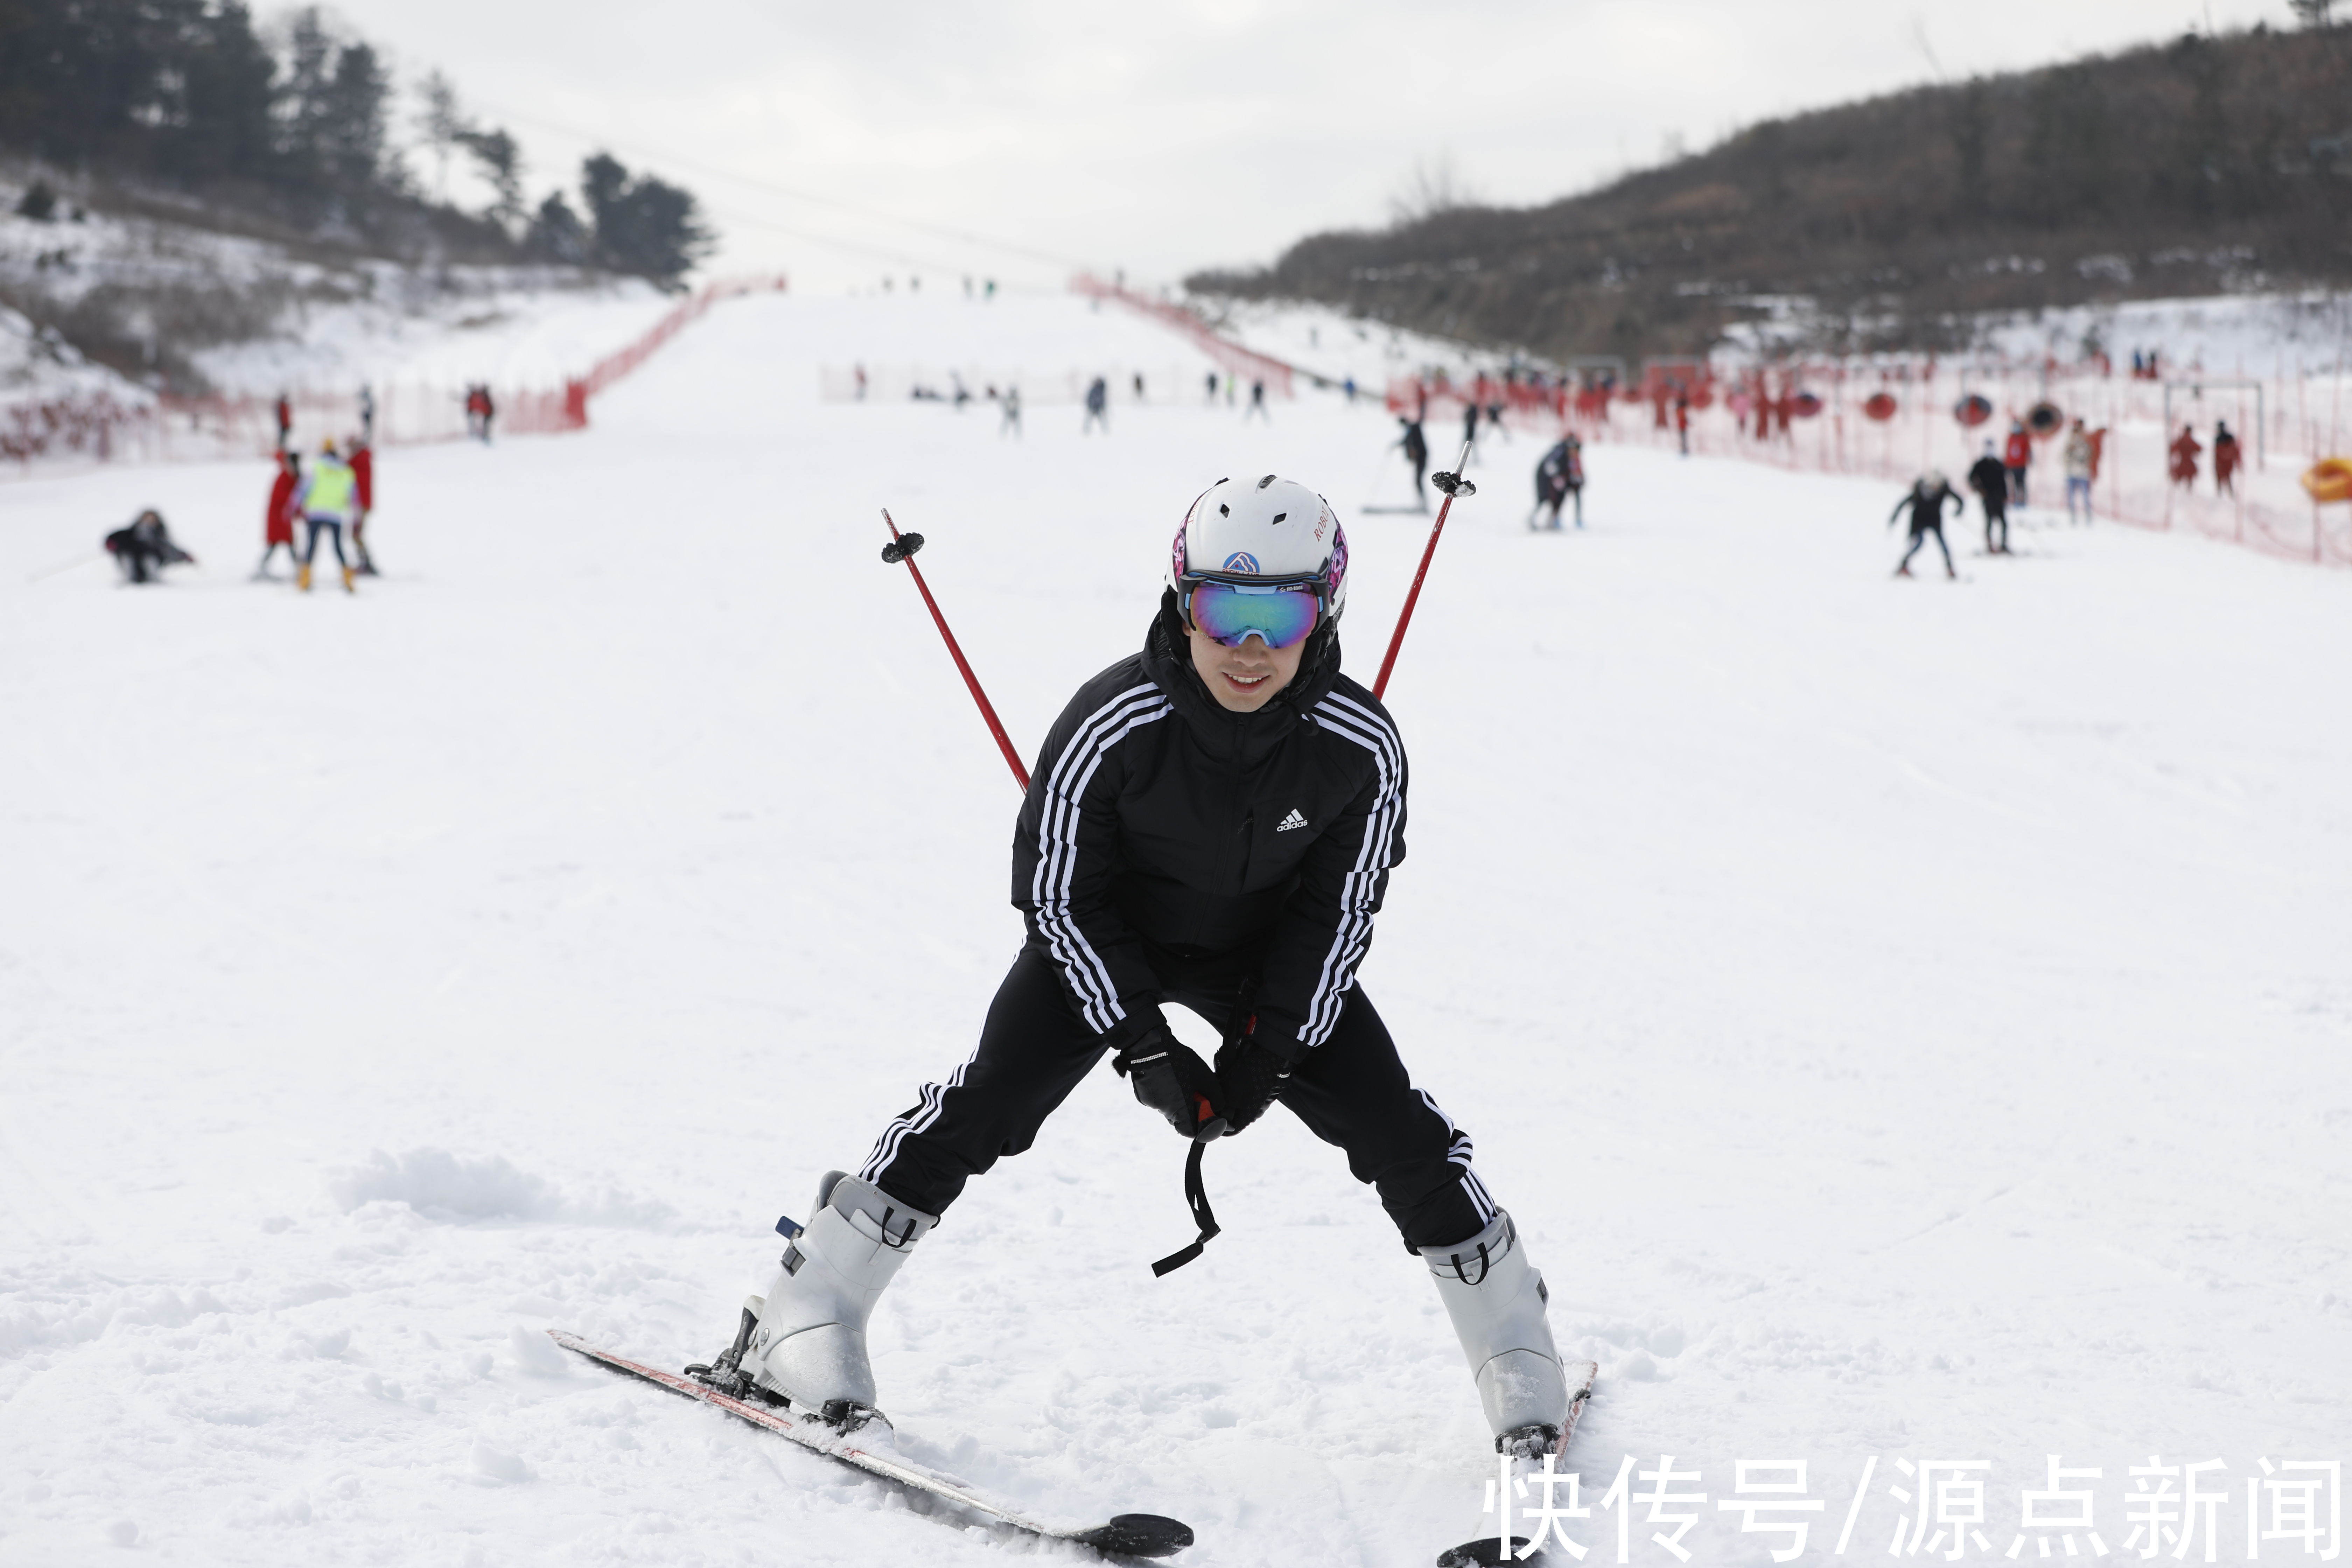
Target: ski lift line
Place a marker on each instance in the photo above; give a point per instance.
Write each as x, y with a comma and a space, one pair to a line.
757, 183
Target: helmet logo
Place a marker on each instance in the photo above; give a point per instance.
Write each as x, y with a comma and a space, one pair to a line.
1241, 561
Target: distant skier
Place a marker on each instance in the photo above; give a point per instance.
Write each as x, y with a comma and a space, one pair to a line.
2017, 457
1682, 422
278, 519
1559, 476
2082, 461
363, 503
1416, 452
1989, 478
326, 496
283, 410
2226, 458
1925, 500
1211, 381
1010, 424
1138, 386
1257, 404
1138, 890
479, 411
1098, 407
2184, 449
367, 414
145, 548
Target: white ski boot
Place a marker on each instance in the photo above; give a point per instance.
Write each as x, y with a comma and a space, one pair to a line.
1496, 1300
804, 1341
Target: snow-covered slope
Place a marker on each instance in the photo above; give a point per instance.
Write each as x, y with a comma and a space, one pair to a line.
1908, 1020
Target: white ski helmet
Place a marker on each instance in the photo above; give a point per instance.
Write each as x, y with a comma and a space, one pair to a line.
1272, 528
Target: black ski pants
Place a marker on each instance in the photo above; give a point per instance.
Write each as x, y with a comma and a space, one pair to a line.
1351, 1091
1919, 537
1996, 522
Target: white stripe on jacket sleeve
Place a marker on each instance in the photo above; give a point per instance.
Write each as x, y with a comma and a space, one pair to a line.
1057, 848
1357, 890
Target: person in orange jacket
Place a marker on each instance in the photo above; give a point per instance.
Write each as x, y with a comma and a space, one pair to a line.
277, 520
2017, 456
2185, 447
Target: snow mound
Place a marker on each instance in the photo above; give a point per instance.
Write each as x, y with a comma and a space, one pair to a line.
442, 1186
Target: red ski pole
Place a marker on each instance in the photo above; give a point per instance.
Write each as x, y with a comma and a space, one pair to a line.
1452, 484
902, 547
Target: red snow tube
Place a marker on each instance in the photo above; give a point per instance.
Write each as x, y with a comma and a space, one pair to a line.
1880, 405
2044, 420
1804, 405
1973, 410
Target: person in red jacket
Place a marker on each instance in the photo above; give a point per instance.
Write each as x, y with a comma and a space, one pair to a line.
2017, 456
363, 483
2185, 447
278, 521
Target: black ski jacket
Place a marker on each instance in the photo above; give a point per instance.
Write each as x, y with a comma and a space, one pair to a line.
1991, 481
1161, 830
1927, 507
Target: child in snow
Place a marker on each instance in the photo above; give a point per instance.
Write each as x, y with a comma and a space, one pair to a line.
1234, 712
1925, 500
325, 498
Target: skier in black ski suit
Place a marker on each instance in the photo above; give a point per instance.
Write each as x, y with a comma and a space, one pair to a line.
1559, 476
1926, 498
144, 548
1990, 479
1416, 452
1211, 823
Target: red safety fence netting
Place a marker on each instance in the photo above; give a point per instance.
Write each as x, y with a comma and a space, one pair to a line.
97, 427
1893, 418
1246, 364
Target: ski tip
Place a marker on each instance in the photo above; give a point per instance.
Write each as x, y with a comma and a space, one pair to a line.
1486, 1552
1139, 1535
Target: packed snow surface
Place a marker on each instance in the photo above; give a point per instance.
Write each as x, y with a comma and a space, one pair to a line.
1909, 1020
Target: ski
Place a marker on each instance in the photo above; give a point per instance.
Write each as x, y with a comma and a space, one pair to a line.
1488, 1551
1124, 1535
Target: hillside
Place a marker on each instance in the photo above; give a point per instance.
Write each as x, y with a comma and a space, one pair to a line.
2205, 166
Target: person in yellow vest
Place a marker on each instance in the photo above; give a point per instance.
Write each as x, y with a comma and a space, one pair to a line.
330, 490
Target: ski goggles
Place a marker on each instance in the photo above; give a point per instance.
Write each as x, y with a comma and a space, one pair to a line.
1277, 614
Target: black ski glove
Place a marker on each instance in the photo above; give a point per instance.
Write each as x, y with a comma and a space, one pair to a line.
1249, 1077
1171, 1078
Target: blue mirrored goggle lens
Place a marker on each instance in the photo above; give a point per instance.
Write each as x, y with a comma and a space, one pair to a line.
1230, 612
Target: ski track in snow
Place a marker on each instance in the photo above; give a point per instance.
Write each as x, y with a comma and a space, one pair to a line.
1907, 1018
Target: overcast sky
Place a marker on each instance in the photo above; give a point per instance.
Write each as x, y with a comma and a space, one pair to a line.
1165, 137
